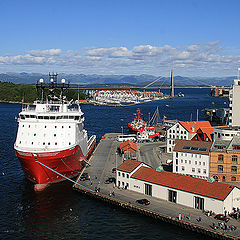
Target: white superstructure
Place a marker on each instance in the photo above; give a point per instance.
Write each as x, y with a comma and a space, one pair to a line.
50, 126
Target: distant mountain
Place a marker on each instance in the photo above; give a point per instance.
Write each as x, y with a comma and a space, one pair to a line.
144, 79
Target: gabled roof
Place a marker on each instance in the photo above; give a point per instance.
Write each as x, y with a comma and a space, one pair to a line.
128, 165
128, 145
184, 183
208, 131
192, 127
192, 146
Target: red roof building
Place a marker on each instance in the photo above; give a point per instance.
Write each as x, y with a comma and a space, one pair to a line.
176, 188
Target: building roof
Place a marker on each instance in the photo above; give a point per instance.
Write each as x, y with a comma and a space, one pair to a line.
220, 145
192, 127
128, 165
192, 146
127, 145
184, 183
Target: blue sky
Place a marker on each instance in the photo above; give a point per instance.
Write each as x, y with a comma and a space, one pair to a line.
194, 38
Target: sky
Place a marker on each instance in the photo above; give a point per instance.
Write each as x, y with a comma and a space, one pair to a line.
194, 38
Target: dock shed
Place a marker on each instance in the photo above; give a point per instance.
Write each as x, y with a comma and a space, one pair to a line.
180, 189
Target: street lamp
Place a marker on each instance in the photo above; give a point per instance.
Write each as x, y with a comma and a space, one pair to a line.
122, 125
116, 161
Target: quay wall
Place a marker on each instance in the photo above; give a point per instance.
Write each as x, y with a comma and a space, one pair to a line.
180, 223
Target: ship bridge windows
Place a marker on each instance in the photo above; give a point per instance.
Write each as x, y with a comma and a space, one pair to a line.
22, 116
54, 108
52, 118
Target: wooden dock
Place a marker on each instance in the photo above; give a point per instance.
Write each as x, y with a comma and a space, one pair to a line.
99, 169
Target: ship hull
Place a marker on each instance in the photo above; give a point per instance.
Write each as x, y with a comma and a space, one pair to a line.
66, 162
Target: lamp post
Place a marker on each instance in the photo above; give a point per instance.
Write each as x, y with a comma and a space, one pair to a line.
116, 161
122, 125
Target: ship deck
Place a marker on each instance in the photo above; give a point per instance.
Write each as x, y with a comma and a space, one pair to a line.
100, 167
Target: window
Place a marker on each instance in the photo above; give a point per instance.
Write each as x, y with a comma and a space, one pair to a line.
234, 169
236, 147
172, 196
233, 179
199, 163
199, 170
183, 168
185, 161
176, 154
234, 159
219, 147
224, 178
55, 135
55, 143
43, 143
127, 175
220, 168
220, 158
181, 161
195, 162
176, 168
123, 175
216, 178
190, 162
34, 134
193, 169
119, 174
176, 161
204, 171
203, 163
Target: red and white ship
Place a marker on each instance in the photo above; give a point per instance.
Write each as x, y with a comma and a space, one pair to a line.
51, 131
137, 124
147, 133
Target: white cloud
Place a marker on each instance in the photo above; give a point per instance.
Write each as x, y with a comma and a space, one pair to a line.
200, 58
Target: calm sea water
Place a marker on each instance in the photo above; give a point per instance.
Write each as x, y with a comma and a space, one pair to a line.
61, 213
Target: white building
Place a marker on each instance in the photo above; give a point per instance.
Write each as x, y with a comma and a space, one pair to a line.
180, 189
192, 158
234, 98
226, 133
183, 130
125, 170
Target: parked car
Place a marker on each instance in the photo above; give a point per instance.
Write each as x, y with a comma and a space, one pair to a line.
110, 180
143, 201
222, 217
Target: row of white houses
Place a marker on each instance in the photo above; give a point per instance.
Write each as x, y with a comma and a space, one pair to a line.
177, 188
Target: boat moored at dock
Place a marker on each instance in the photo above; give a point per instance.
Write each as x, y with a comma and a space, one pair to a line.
51, 131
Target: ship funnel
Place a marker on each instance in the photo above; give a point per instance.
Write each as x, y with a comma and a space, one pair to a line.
63, 80
41, 80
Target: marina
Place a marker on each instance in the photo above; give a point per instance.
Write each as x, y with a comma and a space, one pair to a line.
100, 168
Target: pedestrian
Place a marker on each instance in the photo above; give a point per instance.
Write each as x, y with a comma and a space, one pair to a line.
179, 216
182, 216
189, 216
113, 193
91, 183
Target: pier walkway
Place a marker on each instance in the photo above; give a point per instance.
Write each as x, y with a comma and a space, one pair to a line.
104, 159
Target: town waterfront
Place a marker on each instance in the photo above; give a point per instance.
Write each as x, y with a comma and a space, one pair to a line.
59, 212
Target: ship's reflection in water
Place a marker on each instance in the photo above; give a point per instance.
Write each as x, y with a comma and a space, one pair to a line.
48, 214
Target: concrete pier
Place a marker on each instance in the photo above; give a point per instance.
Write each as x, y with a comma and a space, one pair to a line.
104, 159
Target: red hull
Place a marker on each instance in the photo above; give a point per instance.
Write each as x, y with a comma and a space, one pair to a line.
67, 162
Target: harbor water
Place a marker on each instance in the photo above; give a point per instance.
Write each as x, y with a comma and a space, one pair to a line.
61, 213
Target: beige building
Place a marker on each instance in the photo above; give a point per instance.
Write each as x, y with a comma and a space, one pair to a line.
225, 160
